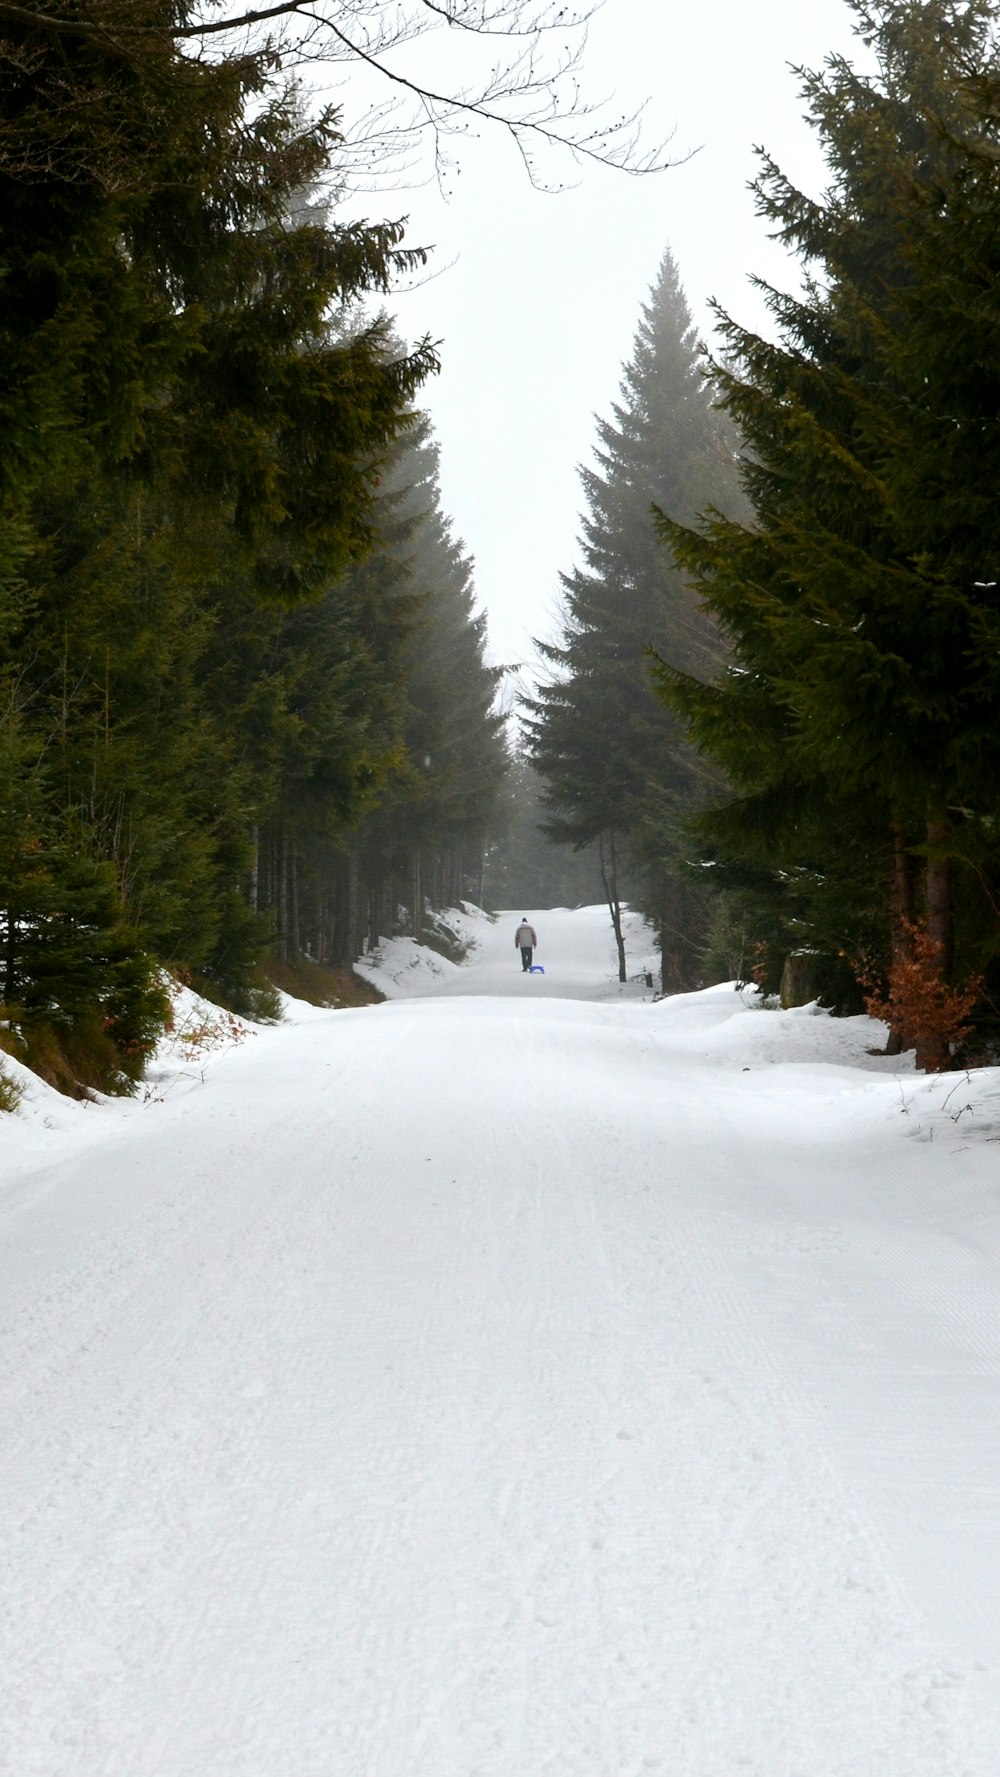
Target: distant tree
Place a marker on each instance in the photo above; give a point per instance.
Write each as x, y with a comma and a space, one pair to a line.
428, 836
617, 769
524, 864
369, 716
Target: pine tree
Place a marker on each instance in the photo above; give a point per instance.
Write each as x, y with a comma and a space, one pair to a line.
864, 638
618, 769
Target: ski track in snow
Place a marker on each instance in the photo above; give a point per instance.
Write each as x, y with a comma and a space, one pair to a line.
469, 1388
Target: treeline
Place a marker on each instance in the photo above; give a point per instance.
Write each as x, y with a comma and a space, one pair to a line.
523, 865
244, 708
848, 728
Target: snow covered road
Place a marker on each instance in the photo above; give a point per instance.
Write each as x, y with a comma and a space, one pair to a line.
504, 1384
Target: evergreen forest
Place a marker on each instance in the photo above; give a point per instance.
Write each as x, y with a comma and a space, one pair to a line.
247, 720
801, 777
856, 719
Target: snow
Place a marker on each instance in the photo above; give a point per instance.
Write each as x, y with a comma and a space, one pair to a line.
521, 1378
587, 958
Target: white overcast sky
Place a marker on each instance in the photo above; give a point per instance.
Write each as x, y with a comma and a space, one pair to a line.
538, 295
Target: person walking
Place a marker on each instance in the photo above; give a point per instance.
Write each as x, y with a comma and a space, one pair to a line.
525, 939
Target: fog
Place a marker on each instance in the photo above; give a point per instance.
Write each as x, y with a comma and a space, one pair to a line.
535, 296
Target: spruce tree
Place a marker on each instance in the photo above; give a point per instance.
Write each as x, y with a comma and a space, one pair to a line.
617, 768
863, 628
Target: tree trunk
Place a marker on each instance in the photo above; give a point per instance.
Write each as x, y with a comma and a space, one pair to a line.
281, 873
940, 918
933, 1054
294, 931
265, 884
418, 897
322, 925
340, 936
10, 955
254, 866
900, 919
356, 939
375, 895
609, 877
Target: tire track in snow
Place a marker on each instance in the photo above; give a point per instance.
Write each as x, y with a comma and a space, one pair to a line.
556, 1569
904, 1430
133, 1459
452, 1458
778, 1531
122, 1426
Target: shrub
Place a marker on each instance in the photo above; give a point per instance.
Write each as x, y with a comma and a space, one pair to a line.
103, 1047
253, 997
321, 984
11, 1092
919, 1006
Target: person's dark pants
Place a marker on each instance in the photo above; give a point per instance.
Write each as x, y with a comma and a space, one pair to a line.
526, 955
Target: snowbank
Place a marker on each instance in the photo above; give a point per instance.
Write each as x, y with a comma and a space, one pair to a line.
402, 967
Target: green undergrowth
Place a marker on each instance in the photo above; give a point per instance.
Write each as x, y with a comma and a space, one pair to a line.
94, 1050
255, 998
11, 1092
321, 984
77, 1059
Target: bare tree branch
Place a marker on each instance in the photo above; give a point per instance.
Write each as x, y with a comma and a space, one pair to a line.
532, 94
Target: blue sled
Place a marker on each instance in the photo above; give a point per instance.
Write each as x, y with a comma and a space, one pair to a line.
536, 969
